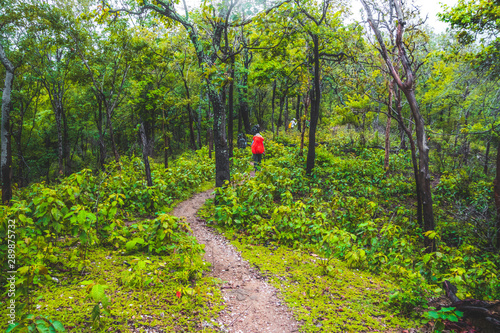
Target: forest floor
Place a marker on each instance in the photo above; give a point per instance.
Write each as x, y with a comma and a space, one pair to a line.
280, 290
252, 305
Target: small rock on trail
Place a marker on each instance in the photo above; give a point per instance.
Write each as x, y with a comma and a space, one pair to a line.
252, 305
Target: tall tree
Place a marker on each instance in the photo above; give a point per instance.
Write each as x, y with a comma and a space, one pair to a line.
220, 17
5, 135
406, 82
326, 38
108, 67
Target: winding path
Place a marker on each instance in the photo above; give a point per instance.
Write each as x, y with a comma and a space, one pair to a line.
252, 305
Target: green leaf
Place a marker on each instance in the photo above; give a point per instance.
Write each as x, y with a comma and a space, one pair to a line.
97, 292
130, 245
433, 314
439, 326
96, 311
87, 282
11, 327
42, 327
58, 326
56, 213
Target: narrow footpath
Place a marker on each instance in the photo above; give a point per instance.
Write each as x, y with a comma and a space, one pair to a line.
252, 305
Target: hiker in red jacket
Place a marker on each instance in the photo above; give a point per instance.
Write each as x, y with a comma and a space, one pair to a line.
257, 150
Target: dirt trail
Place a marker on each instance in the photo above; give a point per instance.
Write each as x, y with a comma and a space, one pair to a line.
253, 306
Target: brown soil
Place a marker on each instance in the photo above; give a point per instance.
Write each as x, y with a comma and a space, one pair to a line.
252, 305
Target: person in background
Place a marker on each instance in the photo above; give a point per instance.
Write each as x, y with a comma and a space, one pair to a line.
257, 150
242, 141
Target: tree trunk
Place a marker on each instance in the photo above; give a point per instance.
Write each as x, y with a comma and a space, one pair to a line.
190, 115
112, 136
60, 148
165, 141
272, 107
408, 133
307, 101
17, 138
486, 158
424, 178
286, 114
66, 152
5, 154
230, 124
243, 94
297, 114
315, 102
210, 137
388, 130
280, 122
102, 145
402, 145
144, 146
240, 118
192, 140
497, 194
222, 173
198, 121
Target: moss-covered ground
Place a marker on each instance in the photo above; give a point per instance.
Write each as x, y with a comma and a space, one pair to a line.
167, 303
341, 299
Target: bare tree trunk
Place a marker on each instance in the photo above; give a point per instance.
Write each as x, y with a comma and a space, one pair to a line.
497, 195
230, 124
486, 158
222, 172
190, 114
315, 102
303, 121
210, 137
5, 153
144, 146
17, 138
192, 141
297, 113
67, 150
388, 130
402, 145
112, 136
272, 107
243, 94
286, 114
60, 149
408, 132
102, 146
280, 122
198, 121
424, 174
165, 141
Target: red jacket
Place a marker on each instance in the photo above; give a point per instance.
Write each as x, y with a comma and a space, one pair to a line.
258, 144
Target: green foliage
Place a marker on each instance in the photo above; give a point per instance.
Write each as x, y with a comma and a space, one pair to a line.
59, 229
73, 301
442, 314
41, 324
350, 209
96, 292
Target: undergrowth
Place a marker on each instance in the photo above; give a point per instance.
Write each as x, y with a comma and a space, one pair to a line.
98, 251
351, 209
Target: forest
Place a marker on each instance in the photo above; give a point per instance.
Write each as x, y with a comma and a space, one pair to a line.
132, 202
